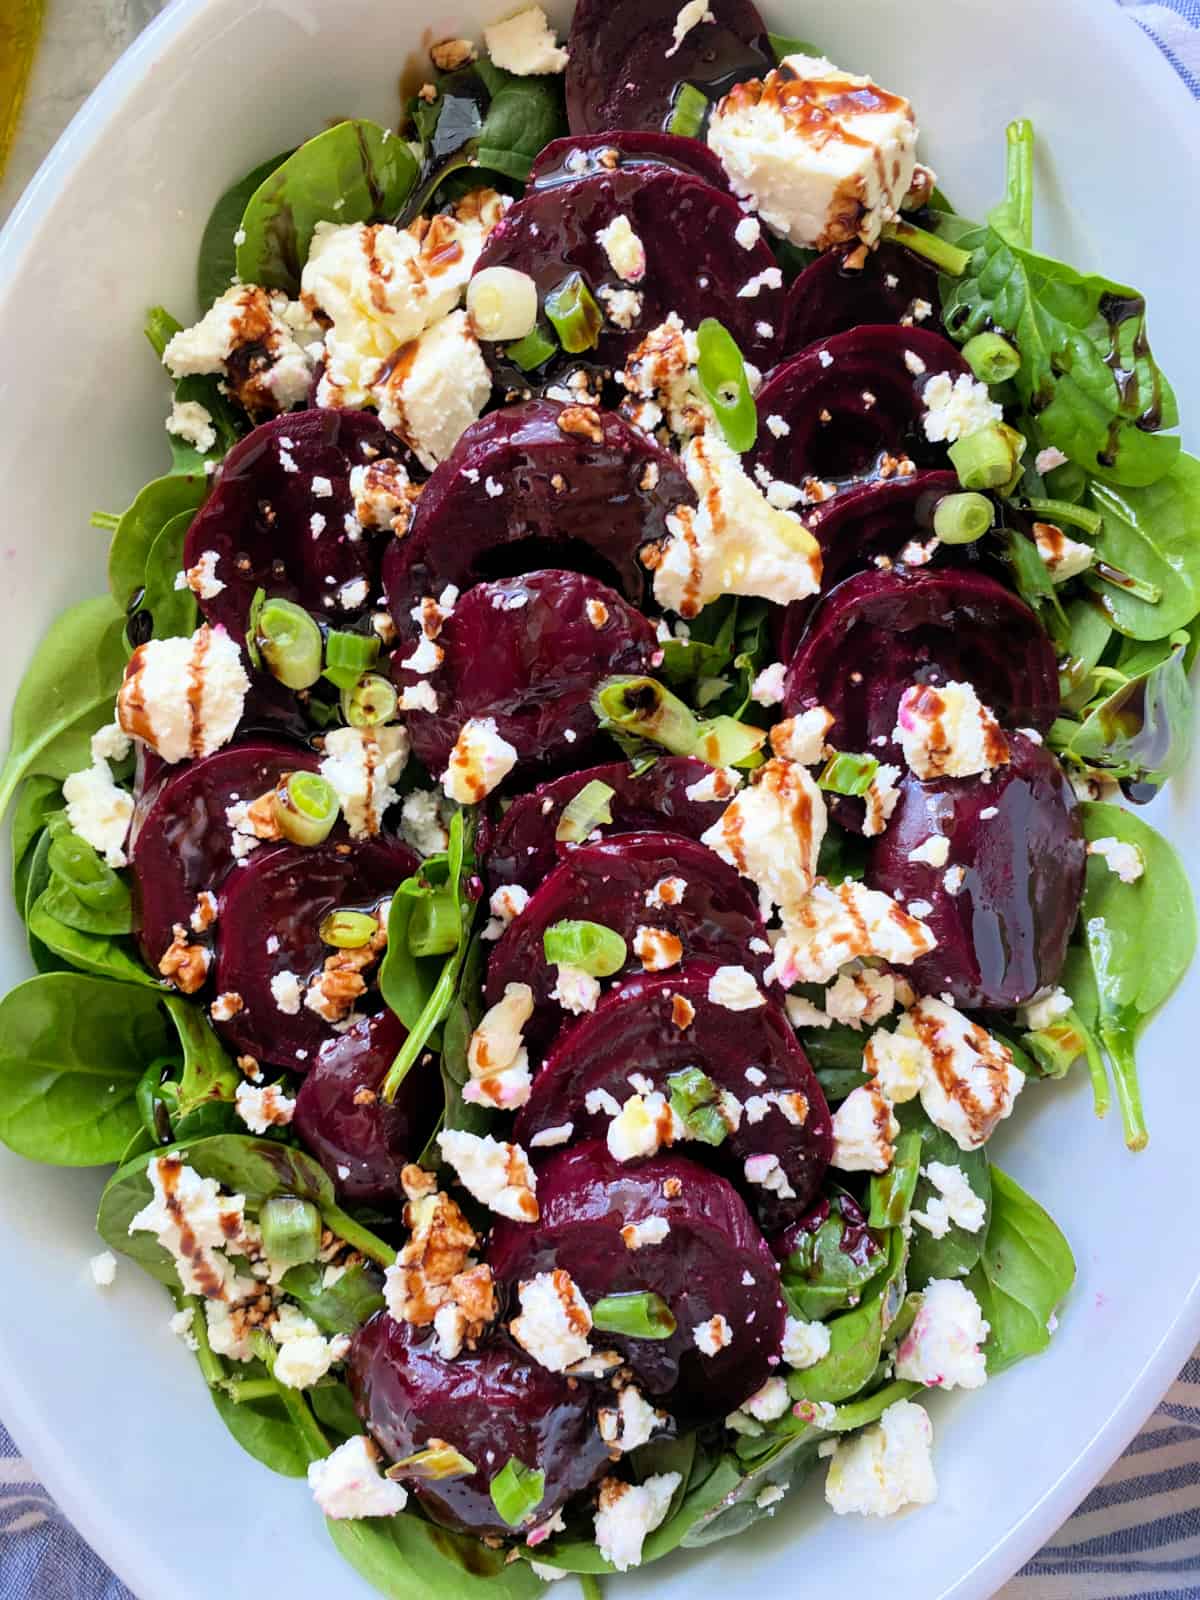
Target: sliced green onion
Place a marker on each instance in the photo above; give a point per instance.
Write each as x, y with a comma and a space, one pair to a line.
722, 374
348, 656
503, 303
688, 112
585, 812
590, 946
517, 1491
435, 926
1065, 511
991, 358
1120, 579
848, 774
290, 643
252, 650
305, 807
437, 1462
348, 930
531, 351
291, 1229
892, 1193
726, 742
576, 317
369, 702
962, 518
638, 1315
987, 458
694, 1098
641, 707
1058, 1047
945, 256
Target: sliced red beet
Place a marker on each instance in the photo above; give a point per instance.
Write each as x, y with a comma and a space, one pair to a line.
269, 915
828, 297
529, 653
660, 1025
360, 1140
494, 1404
564, 501
180, 841
1017, 850
850, 399
714, 1262
564, 160
524, 849
717, 917
625, 69
273, 524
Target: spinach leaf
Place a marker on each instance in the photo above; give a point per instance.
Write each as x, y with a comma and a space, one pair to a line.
333, 1407
836, 1056
263, 1426
83, 891
208, 1074
831, 1266
1140, 731
354, 172
173, 612
103, 955
523, 116
782, 44
954, 1254
37, 799
342, 1307
67, 693
36, 878
216, 265
1081, 643
461, 1021
407, 1558
1153, 533
228, 422
72, 1048
153, 508
856, 1337
1026, 1270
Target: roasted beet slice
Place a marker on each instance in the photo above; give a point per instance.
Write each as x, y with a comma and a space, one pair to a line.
276, 518
717, 917
529, 653
625, 68
361, 1141
494, 1404
656, 1026
564, 501
713, 1263
564, 160
181, 843
829, 297
851, 399
524, 849
694, 264
1006, 900
269, 915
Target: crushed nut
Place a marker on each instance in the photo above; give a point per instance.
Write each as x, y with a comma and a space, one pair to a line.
582, 422
450, 54
183, 964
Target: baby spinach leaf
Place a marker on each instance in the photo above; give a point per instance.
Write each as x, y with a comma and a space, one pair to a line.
37, 799
1140, 731
407, 1558
207, 1074
831, 1266
523, 116
957, 1251
354, 172
263, 1427
1025, 1271
342, 1307
782, 44
1081, 642
83, 891
216, 265
461, 1021
173, 612
103, 955
36, 878
1153, 533
333, 1407
72, 1048
856, 1337
153, 508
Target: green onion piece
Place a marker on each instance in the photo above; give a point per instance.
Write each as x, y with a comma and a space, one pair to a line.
643, 708
291, 1229
290, 644
252, 650
892, 1193
370, 702
348, 656
985, 459
348, 930
531, 351
1120, 579
517, 1490
434, 1464
576, 317
722, 374
1058, 1047
962, 518
590, 946
305, 807
436, 925
945, 256
1066, 511
726, 742
688, 112
848, 774
991, 358
638, 1315
585, 812
694, 1098
106, 521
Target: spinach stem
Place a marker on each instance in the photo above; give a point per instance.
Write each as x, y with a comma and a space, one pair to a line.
209, 1363
1020, 177
316, 1445
858, 1414
1101, 1094
590, 1586
432, 1013
242, 1390
1118, 1041
105, 520
1065, 511
358, 1237
945, 256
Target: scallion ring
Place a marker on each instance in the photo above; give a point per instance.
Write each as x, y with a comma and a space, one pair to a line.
590, 946
369, 702
305, 807
962, 518
289, 643
576, 317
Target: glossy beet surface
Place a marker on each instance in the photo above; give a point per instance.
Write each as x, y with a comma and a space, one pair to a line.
661, 1024
493, 1404
258, 520
529, 653
1004, 935
625, 71
700, 1269
524, 849
565, 502
564, 160
607, 883
850, 399
180, 840
828, 297
269, 914
360, 1140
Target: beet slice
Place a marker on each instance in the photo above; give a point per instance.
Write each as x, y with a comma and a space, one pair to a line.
565, 501
564, 160
639, 1028
700, 1269
1004, 935
269, 913
529, 653
850, 399
607, 883
258, 520
694, 265
624, 71
524, 849
494, 1404
361, 1141
180, 841
828, 297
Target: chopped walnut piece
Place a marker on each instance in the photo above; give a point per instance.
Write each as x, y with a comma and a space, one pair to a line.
582, 422
683, 1012
226, 1005
183, 964
249, 1068
416, 1182
333, 992
434, 1268
450, 54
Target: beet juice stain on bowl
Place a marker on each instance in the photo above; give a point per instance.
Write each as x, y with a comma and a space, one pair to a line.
567, 1122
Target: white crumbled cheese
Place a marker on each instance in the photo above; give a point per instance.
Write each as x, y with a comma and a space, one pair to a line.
305, 1355
110, 743
628, 1512
287, 991
352, 595
803, 1014
103, 1268
661, 378
362, 765
1064, 558
498, 1175
772, 832
864, 1131
548, 1138
449, 1329
421, 823
279, 332
956, 407
898, 1063
766, 1171
719, 784
158, 701
769, 278
954, 1205
632, 1424
1046, 460
598, 1101
834, 925
480, 760
575, 990
944, 1347
713, 1336
932, 852
735, 988
432, 400
770, 1496
265, 1108
691, 15
861, 996
554, 1321
657, 949
947, 732
625, 251
349, 1483
496, 1056
802, 738
767, 688
770, 1402
824, 155
885, 1467
1123, 859
505, 905
1045, 1009
525, 44
418, 697
202, 578
99, 810
227, 1336
880, 800
804, 1343
968, 1078
644, 1124
187, 1205
192, 422
637, 1235
666, 892
748, 232
181, 1326
623, 307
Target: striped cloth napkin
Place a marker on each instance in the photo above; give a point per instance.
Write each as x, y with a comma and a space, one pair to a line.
1135, 1537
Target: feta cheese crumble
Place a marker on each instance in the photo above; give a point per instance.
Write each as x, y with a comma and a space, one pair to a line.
865, 1131
625, 251
362, 765
956, 407
525, 44
99, 810
771, 833
804, 1343
944, 1347
835, 925
265, 1108
736, 989
103, 1268
627, 1513
1123, 859
954, 1205
480, 760
885, 1467
575, 990
554, 1321
498, 1175
947, 732
192, 422
184, 697
1065, 558
349, 1484
713, 1336
275, 334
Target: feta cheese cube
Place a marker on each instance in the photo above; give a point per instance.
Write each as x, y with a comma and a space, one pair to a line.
885, 1467
99, 810
865, 1131
363, 764
627, 1513
480, 760
554, 1321
834, 925
625, 251
944, 1347
498, 1175
772, 832
184, 697
525, 44
736, 989
804, 1343
349, 1484
947, 732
